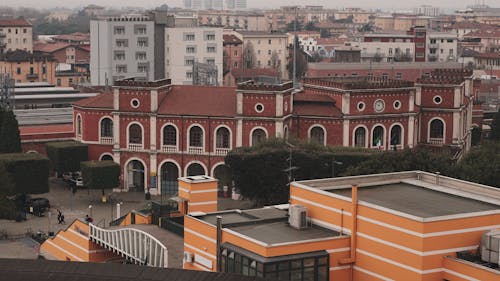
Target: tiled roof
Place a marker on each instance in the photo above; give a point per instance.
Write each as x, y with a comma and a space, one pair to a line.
77, 36
314, 109
493, 32
467, 25
253, 72
15, 23
45, 129
49, 47
494, 55
100, 101
309, 97
20, 55
331, 41
231, 39
199, 101
261, 34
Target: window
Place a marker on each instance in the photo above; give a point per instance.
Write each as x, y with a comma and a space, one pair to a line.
24, 41
119, 30
169, 135
107, 128
390, 51
258, 136
235, 53
269, 52
32, 70
361, 106
142, 67
190, 49
235, 64
78, 125
44, 69
140, 29
134, 134
420, 45
142, 42
449, 40
450, 52
210, 61
222, 138
58, 83
210, 37
119, 55
437, 99
396, 135
70, 81
121, 68
189, 37
420, 34
259, 107
360, 137
397, 104
189, 75
436, 129
25, 30
18, 70
378, 137
398, 76
196, 137
385, 75
121, 43
317, 135
140, 56
211, 49
135, 103
189, 61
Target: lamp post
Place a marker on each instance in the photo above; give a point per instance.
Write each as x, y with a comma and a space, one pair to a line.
290, 168
90, 210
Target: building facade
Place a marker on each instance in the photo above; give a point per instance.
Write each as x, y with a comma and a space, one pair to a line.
24, 66
156, 129
18, 34
122, 47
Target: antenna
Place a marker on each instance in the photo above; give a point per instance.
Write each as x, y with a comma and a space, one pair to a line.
295, 41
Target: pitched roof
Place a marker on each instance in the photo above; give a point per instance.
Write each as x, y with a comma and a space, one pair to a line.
304, 96
314, 109
253, 72
49, 47
331, 41
493, 32
77, 36
493, 55
199, 101
15, 23
231, 39
247, 33
468, 25
21, 55
45, 129
104, 100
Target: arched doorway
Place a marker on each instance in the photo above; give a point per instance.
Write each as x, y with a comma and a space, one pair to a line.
222, 173
169, 174
135, 176
195, 169
106, 157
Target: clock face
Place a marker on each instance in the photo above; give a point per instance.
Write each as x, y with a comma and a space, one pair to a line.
379, 105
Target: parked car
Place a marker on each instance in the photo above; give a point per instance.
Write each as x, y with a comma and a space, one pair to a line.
37, 206
79, 182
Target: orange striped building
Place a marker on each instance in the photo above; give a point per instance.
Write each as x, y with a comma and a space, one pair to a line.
396, 226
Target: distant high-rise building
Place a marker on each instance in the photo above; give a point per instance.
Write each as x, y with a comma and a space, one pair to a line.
427, 10
214, 4
187, 4
236, 4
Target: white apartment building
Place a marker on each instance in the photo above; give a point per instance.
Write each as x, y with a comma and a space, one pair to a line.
122, 47
236, 4
16, 34
265, 44
186, 45
442, 46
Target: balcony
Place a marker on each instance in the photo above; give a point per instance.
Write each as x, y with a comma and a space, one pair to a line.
221, 151
106, 140
436, 141
169, 148
433, 45
196, 150
32, 76
135, 147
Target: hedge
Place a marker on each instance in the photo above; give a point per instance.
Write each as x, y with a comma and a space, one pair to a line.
29, 172
66, 156
100, 174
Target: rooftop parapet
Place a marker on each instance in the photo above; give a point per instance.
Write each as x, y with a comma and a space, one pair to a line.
132, 82
358, 82
254, 86
445, 76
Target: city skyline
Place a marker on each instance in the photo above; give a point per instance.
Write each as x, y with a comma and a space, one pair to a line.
446, 4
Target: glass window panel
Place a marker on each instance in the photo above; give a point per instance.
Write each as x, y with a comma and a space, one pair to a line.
296, 264
322, 261
322, 273
308, 274
296, 275
308, 262
284, 275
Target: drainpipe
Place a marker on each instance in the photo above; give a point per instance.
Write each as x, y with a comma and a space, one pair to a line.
218, 241
354, 226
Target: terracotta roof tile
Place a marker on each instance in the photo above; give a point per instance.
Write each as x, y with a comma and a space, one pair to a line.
49, 47
46, 129
253, 72
231, 39
200, 101
309, 97
15, 22
314, 109
100, 101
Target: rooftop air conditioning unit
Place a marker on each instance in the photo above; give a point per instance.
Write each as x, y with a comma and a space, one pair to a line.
297, 216
490, 246
187, 257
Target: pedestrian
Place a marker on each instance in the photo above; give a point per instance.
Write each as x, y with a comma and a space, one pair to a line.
62, 219
59, 217
88, 219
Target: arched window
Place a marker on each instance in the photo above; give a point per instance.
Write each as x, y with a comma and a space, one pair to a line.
436, 133
195, 169
222, 138
258, 136
106, 157
196, 137
223, 174
360, 137
169, 174
396, 136
378, 136
79, 125
135, 134
106, 128
317, 135
169, 135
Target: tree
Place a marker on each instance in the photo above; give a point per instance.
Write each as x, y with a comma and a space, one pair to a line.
29, 172
294, 25
10, 140
66, 156
495, 126
325, 33
7, 207
275, 60
301, 62
316, 57
100, 174
310, 26
249, 58
481, 165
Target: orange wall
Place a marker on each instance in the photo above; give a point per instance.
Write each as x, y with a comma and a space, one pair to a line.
201, 196
139, 219
458, 270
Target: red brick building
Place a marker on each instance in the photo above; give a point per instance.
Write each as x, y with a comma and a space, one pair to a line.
233, 52
159, 132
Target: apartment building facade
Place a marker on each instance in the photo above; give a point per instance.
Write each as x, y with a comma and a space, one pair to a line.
122, 47
254, 21
185, 46
24, 66
17, 34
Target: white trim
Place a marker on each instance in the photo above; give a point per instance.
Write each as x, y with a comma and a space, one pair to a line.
132, 103
367, 140
202, 137
400, 104
230, 137
463, 230
339, 250
203, 203
195, 233
108, 154
63, 250
335, 268
338, 211
200, 251
200, 267
375, 107
100, 126
402, 135
390, 226
319, 126
176, 134
125, 172
460, 275
376, 275
400, 265
128, 133
215, 166
259, 111
286, 132
204, 191
79, 117
74, 244
332, 226
260, 243
195, 162
429, 128
384, 136
255, 128
434, 99
364, 106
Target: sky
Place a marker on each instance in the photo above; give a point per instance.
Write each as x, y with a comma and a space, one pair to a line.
407, 4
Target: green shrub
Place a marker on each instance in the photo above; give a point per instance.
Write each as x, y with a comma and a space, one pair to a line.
100, 174
66, 156
29, 172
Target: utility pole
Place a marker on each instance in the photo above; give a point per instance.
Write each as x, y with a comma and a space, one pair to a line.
295, 51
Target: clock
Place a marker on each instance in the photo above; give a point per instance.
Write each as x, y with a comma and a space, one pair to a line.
379, 105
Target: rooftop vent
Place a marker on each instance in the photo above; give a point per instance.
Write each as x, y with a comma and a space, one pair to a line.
297, 216
490, 246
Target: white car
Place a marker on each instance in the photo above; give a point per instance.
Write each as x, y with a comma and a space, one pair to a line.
79, 182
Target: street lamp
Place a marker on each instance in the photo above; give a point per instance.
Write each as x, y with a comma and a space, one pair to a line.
290, 167
90, 210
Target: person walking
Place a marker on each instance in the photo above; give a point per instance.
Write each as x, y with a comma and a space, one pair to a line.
60, 217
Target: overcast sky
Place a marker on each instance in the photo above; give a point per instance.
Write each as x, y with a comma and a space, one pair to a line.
407, 4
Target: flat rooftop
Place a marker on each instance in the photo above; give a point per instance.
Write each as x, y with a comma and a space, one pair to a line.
268, 225
416, 200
